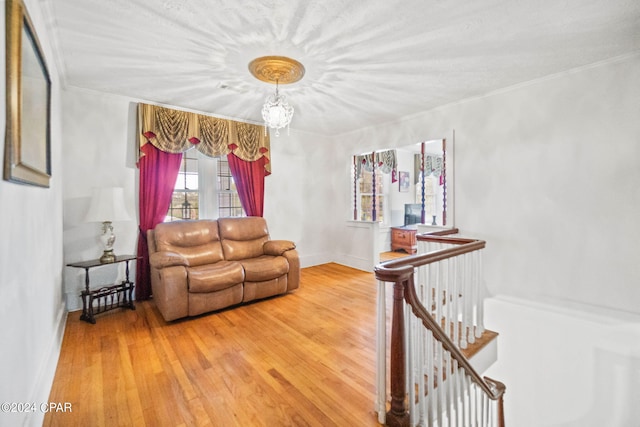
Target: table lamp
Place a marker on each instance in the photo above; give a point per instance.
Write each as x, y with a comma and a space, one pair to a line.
107, 205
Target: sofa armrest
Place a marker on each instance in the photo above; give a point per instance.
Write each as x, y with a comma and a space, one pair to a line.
164, 259
277, 247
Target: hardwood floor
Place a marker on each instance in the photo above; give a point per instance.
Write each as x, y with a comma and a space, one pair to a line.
302, 359
386, 256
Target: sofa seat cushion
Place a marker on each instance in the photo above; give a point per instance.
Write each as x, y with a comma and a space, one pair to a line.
264, 267
215, 277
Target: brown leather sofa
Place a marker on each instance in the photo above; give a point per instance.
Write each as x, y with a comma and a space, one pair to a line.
206, 265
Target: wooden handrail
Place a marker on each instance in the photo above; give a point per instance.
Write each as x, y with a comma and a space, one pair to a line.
444, 232
390, 268
401, 273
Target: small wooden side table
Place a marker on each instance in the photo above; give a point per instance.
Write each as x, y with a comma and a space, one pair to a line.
404, 238
107, 297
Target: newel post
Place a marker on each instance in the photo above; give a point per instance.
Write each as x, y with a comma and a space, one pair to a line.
397, 416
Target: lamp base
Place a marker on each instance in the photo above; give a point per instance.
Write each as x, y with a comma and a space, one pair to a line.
107, 238
108, 256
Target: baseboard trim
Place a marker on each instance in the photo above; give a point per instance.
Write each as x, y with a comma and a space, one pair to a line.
47, 371
364, 264
315, 259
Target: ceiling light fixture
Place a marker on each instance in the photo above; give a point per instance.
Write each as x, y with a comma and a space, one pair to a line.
276, 112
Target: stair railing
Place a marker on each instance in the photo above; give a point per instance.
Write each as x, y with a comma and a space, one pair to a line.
431, 381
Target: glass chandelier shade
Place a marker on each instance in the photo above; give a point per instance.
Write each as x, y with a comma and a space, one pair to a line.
277, 113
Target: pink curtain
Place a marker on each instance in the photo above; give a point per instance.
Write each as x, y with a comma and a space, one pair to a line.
249, 179
158, 173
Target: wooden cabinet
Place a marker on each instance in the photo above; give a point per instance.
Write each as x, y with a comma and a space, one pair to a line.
404, 238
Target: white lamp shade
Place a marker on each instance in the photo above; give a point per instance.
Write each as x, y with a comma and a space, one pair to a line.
107, 204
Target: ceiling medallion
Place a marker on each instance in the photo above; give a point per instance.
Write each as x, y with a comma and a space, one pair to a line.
276, 112
276, 69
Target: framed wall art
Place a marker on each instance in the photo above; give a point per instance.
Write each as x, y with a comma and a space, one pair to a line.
27, 151
403, 181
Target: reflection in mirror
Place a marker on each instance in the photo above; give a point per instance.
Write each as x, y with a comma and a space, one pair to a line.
402, 186
33, 123
371, 173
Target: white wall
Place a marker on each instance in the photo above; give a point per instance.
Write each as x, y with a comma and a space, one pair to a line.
566, 366
32, 311
296, 193
99, 151
547, 173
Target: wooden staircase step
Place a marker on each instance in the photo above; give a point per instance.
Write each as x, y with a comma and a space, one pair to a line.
472, 349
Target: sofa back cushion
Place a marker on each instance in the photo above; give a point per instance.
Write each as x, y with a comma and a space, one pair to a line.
243, 238
197, 241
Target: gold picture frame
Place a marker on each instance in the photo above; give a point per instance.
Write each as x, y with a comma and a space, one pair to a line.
27, 149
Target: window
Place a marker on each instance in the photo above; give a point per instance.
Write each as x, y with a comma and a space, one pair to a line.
430, 196
365, 196
193, 198
228, 199
185, 199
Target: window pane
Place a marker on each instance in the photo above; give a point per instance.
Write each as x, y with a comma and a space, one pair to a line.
228, 199
191, 181
365, 186
184, 200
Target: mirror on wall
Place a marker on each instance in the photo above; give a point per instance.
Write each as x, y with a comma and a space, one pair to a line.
401, 186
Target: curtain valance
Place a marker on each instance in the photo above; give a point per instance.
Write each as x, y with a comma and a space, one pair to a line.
433, 165
176, 131
386, 161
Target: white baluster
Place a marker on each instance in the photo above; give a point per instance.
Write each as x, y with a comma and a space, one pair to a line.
422, 390
417, 415
455, 292
461, 394
408, 361
419, 371
466, 298
423, 279
474, 405
480, 316
453, 401
464, 404
446, 384
433, 407
440, 388
446, 307
483, 408
476, 402
431, 289
437, 285
474, 300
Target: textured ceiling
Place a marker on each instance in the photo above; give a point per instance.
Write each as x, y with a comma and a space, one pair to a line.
367, 62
